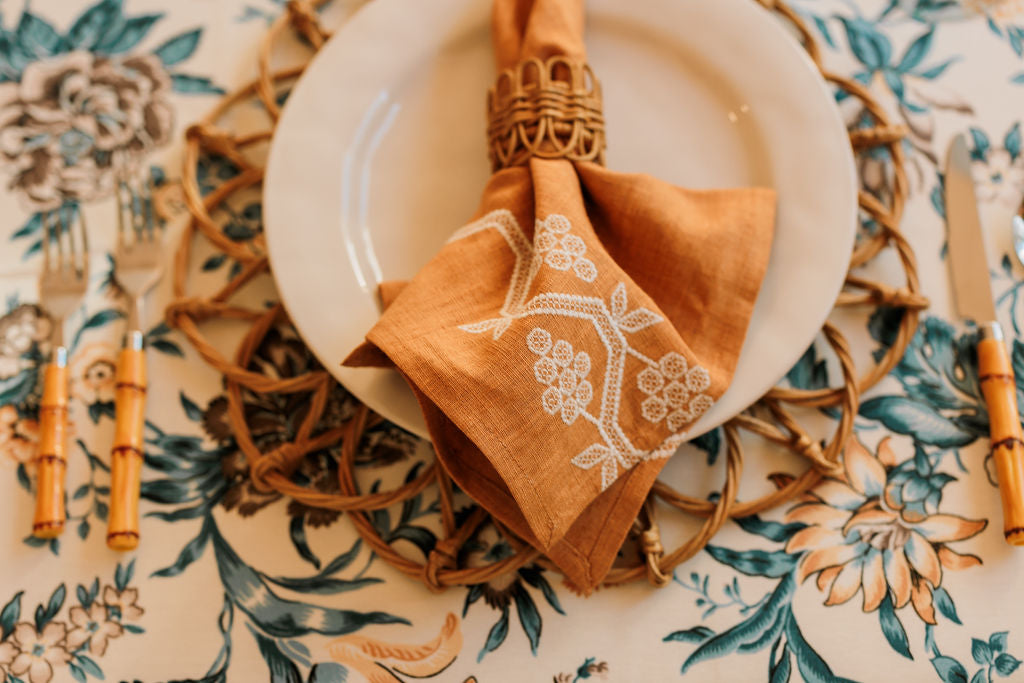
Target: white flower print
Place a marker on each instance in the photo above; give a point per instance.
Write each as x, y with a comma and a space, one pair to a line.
562, 250
563, 372
674, 391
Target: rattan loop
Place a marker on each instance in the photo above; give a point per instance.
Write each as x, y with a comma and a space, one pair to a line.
549, 109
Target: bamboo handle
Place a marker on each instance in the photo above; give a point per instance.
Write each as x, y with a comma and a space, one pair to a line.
995, 374
51, 460
126, 457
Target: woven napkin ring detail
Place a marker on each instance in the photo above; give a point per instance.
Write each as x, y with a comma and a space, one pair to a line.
549, 109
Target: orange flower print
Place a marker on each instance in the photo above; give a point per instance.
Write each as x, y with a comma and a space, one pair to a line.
125, 602
377, 660
92, 374
29, 652
857, 538
92, 624
18, 436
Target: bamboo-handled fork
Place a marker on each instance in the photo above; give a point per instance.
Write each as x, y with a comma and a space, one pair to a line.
137, 268
62, 286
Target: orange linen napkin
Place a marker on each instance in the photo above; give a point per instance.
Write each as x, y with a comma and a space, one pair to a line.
562, 342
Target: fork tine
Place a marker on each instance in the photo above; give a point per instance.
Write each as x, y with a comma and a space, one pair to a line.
68, 222
148, 204
138, 216
44, 218
119, 192
83, 260
58, 228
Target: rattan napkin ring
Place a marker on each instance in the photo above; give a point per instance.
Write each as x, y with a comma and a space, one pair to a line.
545, 108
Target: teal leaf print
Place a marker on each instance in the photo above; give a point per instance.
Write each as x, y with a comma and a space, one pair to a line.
328, 672
190, 553
56, 601
98, 319
980, 651
77, 672
773, 531
534, 576
83, 529
214, 262
782, 670
981, 144
697, 634
87, 30
179, 48
282, 669
949, 670
1018, 78
191, 409
131, 34
1006, 664
529, 617
297, 532
322, 585
1011, 143
750, 630
710, 443
939, 69
35, 36
168, 347
916, 51
496, 636
920, 420
869, 46
9, 615
88, 666
944, 603
185, 83
755, 562
278, 616
892, 628
123, 576
997, 641
809, 372
811, 666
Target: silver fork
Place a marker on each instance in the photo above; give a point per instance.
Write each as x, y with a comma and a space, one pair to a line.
62, 285
138, 266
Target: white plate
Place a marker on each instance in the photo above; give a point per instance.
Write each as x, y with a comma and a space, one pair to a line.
380, 155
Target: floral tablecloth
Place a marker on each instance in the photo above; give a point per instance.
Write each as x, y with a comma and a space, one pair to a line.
896, 572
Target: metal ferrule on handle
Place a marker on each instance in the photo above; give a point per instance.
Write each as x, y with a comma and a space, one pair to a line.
51, 460
127, 455
995, 374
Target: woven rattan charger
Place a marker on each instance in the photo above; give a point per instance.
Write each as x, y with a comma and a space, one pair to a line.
769, 418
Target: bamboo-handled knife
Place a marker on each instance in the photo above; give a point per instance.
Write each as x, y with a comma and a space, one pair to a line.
973, 293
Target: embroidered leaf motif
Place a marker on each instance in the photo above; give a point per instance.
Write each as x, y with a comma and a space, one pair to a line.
619, 301
638, 319
593, 454
609, 473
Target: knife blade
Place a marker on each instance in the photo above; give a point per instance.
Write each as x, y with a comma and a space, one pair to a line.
973, 294
968, 261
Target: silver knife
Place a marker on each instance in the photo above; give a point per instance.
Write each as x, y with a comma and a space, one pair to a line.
972, 290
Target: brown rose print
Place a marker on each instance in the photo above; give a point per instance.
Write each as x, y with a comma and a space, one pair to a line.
76, 120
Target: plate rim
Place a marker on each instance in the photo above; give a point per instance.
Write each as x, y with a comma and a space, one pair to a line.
416, 425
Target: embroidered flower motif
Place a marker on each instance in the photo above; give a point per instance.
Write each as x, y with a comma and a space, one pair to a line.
35, 653
856, 541
561, 250
563, 372
92, 625
674, 391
